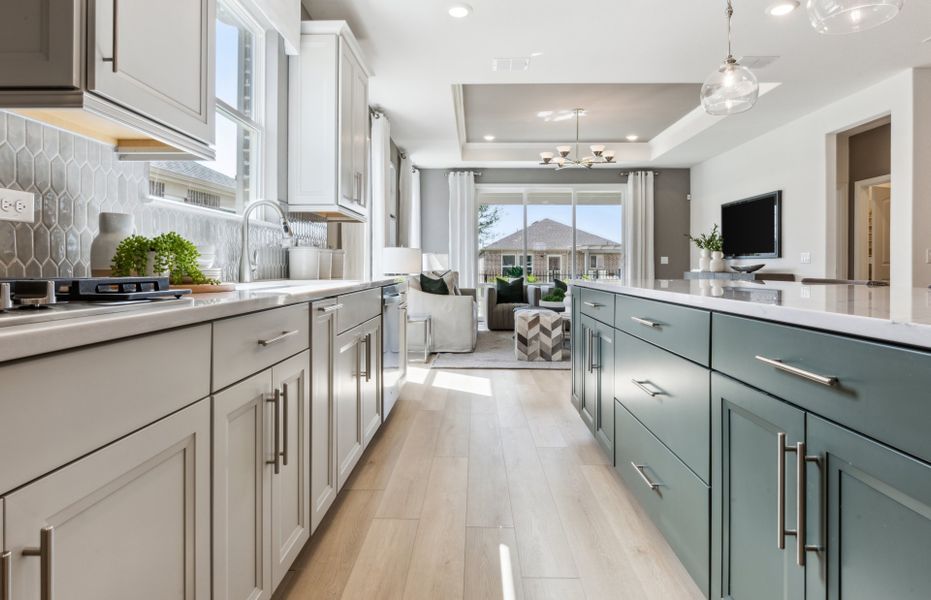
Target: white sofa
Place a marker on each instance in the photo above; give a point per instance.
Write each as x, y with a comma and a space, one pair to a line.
454, 319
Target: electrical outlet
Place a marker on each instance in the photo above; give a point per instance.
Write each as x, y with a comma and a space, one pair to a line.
17, 206
805, 291
806, 258
664, 260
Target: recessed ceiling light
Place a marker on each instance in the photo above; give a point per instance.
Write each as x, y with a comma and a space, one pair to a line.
460, 11
535, 54
633, 138
545, 113
489, 138
781, 8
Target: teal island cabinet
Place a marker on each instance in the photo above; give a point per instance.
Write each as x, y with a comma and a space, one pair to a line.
782, 452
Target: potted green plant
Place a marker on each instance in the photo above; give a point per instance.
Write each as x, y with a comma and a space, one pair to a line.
167, 254
710, 246
555, 299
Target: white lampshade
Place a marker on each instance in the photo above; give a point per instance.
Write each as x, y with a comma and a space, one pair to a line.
435, 262
401, 261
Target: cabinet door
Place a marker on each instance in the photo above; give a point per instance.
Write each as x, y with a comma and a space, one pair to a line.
323, 479
604, 417
347, 182
349, 438
746, 561
157, 59
290, 497
131, 520
40, 44
241, 490
577, 347
370, 379
877, 530
589, 405
360, 134
6, 562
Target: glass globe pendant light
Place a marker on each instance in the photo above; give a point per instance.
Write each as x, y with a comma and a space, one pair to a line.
851, 16
732, 88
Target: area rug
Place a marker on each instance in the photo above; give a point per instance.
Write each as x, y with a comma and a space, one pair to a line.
493, 350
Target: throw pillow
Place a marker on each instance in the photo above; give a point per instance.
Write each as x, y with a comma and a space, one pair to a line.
433, 286
561, 285
452, 280
510, 293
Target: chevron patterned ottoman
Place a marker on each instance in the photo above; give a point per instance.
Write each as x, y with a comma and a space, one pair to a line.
538, 335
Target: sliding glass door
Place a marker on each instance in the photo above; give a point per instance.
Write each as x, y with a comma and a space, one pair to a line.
598, 232
549, 235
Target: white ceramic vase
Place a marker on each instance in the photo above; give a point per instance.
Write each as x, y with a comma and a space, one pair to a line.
716, 265
114, 228
704, 261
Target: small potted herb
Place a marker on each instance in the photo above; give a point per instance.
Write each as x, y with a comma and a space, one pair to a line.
167, 254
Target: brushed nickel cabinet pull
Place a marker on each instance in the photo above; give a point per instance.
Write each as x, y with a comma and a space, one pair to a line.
646, 322
276, 400
116, 36
46, 564
589, 348
644, 388
330, 309
6, 576
284, 427
368, 357
593, 304
781, 450
278, 338
651, 484
828, 380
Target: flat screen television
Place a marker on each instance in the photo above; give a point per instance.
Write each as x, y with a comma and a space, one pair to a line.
752, 227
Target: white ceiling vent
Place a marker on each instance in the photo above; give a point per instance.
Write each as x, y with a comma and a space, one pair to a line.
758, 62
510, 65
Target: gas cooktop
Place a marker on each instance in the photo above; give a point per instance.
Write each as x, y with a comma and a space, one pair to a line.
24, 301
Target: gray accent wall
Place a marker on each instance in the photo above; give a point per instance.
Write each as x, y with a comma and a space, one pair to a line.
671, 207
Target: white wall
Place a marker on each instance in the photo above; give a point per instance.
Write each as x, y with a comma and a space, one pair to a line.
800, 159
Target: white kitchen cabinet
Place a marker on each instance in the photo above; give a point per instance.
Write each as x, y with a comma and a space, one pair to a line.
349, 436
370, 387
290, 499
131, 520
323, 470
328, 107
242, 416
261, 462
135, 74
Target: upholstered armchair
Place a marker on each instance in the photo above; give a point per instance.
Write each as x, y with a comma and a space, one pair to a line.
500, 316
453, 318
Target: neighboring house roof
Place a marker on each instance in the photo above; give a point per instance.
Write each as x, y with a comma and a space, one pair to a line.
551, 235
194, 170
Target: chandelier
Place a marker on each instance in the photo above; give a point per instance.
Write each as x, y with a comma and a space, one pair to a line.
599, 155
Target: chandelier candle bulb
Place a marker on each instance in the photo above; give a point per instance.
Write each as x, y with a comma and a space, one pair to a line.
597, 149
564, 150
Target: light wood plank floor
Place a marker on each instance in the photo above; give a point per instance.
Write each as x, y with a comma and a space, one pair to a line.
485, 484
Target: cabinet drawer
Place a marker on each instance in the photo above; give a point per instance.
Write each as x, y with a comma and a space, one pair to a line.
881, 391
247, 344
358, 308
597, 304
685, 331
676, 500
669, 395
57, 408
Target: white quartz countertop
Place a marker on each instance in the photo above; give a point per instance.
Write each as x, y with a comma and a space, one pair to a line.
889, 314
20, 341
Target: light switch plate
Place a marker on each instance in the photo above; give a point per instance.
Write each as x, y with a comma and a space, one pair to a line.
806, 258
664, 260
928, 256
17, 206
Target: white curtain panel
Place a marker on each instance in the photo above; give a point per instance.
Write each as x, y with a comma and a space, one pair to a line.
638, 226
413, 238
463, 227
405, 180
381, 188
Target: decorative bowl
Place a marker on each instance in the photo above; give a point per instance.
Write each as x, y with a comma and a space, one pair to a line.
748, 268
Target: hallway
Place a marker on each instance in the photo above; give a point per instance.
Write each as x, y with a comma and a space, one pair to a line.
484, 485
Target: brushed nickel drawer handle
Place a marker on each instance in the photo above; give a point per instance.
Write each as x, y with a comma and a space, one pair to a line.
651, 484
46, 565
278, 338
828, 380
6, 576
644, 388
593, 304
276, 400
645, 322
801, 500
330, 309
284, 427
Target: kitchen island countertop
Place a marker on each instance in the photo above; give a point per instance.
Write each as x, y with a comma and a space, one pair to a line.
888, 314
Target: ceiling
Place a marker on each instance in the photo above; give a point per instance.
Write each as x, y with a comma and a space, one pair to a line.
518, 112
426, 62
